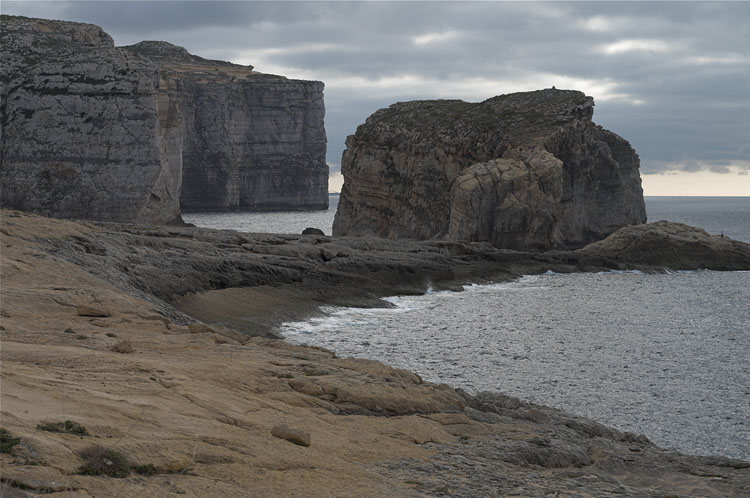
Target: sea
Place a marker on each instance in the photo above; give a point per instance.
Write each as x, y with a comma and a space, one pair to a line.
665, 355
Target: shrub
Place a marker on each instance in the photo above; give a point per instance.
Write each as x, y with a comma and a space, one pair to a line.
103, 461
67, 427
7, 441
146, 470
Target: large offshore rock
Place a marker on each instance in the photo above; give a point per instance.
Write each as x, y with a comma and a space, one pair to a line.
521, 171
135, 133
252, 141
86, 130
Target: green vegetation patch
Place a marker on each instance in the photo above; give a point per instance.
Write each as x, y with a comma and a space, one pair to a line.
7, 441
67, 427
103, 461
146, 470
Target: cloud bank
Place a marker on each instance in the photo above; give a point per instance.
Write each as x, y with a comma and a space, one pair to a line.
673, 78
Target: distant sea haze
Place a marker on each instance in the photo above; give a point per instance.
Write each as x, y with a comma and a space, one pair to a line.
662, 355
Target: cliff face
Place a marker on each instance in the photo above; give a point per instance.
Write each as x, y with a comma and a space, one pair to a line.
134, 133
86, 130
252, 141
521, 171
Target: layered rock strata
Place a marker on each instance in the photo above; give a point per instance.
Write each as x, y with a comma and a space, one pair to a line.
87, 132
252, 141
131, 134
521, 171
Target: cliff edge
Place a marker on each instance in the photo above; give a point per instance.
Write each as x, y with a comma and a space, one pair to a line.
526, 171
133, 134
86, 130
252, 141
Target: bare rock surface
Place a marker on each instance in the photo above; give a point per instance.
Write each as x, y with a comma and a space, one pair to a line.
200, 411
196, 415
129, 134
527, 171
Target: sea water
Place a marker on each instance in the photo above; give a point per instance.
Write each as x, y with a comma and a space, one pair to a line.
663, 355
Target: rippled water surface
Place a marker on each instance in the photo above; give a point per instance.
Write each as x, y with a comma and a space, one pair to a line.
273, 222
717, 215
662, 355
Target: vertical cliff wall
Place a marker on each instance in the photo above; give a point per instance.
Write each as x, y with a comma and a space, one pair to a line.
521, 171
135, 133
86, 132
252, 141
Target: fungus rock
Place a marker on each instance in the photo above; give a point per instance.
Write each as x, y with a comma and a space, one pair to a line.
527, 171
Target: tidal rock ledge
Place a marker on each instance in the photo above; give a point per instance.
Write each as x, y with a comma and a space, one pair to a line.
525, 171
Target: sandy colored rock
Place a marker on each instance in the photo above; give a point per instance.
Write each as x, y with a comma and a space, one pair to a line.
123, 347
93, 310
200, 328
296, 436
201, 413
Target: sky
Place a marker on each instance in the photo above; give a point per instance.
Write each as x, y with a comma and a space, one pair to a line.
673, 78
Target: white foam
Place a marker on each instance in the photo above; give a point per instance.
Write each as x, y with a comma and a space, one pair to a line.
621, 272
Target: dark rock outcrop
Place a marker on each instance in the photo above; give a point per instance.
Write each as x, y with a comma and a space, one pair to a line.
131, 134
666, 244
522, 171
252, 282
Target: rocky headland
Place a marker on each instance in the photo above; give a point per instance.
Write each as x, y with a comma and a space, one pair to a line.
131, 134
159, 342
526, 171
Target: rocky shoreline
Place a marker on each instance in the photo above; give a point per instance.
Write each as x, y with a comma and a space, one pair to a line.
159, 340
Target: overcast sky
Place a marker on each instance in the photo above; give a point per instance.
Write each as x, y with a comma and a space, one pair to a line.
672, 78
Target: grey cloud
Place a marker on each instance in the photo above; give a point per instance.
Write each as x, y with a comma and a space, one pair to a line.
689, 63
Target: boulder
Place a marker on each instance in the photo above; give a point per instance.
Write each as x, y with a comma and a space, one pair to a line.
93, 310
125, 347
525, 171
296, 436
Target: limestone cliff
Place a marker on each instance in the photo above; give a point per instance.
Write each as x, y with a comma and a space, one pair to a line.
86, 130
136, 133
251, 141
521, 171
